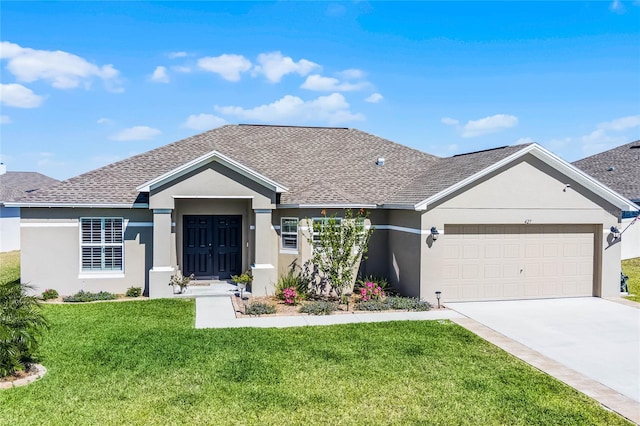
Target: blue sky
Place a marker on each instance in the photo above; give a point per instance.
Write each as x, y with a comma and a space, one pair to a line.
88, 83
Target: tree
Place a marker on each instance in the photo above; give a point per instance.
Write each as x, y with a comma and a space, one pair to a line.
21, 327
339, 245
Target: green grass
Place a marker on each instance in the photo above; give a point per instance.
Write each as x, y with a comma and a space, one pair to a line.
9, 266
631, 267
144, 363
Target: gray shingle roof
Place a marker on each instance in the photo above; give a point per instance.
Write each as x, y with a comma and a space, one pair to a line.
13, 185
317, 165
625, 176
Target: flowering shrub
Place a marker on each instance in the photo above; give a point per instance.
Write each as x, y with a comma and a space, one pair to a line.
371, 290
291, 296
49, 294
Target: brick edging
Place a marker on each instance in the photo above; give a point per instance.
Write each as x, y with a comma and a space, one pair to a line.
40, 372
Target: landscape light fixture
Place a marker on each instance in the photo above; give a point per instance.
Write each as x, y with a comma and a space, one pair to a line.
434, 233
438, 294
615, 232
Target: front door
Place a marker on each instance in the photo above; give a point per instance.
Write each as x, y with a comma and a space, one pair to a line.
212, 246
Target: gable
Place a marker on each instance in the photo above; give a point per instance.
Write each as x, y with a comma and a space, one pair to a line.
212, 180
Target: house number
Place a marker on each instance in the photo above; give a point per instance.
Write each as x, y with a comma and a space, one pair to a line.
527, 221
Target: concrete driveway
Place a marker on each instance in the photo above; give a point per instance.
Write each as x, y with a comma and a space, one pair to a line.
595, 337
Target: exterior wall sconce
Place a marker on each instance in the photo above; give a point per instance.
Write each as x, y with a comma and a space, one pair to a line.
434, 233
615, 232
438, 294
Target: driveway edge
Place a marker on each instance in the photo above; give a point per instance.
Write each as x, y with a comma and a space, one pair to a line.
609, 398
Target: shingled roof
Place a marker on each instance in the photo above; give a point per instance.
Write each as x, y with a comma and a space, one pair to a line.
618, 168
318, 165
14, 185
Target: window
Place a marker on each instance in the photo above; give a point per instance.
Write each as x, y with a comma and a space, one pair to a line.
319, 223
289, 233
101, 243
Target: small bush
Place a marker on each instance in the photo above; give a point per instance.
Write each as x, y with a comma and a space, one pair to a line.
22, 325
292, 280
319, 308
133, 292
259, 309
87, 296
393, 303
370, 291
382, 282
49, 294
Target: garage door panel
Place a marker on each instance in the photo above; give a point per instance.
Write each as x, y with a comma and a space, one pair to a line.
497, 262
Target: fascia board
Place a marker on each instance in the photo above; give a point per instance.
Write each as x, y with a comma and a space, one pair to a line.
200, 161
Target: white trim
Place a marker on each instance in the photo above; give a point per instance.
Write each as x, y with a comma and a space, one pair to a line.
163, 269
289, 251
207, 158
548, 158
403, 229
276, 227
99, 272
78, 205
262, 211
104, 275
282, 235
234, 197
49, 225
262, 266
162, 211
328, 206
140, 224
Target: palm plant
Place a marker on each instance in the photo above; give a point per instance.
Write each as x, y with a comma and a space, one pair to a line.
22, 325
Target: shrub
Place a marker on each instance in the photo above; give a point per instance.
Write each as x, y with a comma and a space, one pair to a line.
133, 292
393, 303
259, 309
244, 278
382, 282
21, 327
291, 296
370, 291
49, 294
319, 308
294, 280
87, 296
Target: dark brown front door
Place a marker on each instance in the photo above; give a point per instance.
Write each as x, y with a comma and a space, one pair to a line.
211, 246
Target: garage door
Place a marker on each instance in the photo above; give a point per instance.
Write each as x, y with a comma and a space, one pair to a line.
496, 262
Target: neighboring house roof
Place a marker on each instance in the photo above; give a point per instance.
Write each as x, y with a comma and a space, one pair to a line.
309, 166
14, 185
618, 168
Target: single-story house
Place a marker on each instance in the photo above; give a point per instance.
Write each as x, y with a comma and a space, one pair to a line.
515, 222
619, 169
14, 185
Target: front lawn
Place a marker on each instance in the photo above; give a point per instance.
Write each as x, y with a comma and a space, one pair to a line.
144, 363
631, 267
9, 266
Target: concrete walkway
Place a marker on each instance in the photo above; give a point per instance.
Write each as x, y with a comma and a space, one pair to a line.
218, 312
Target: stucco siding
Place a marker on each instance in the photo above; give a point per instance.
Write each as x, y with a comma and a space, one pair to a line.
525, 193
50, 255
630, 239
9, 228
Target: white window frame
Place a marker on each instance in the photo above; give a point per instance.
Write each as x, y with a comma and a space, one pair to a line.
103, 271
283, 234
323, 220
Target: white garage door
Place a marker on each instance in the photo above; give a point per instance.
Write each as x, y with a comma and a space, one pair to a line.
496, 262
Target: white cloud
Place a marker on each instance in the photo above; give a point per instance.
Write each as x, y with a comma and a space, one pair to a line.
621, 124
449, 121
160, 75
227, 66
104, 120
352, 74
174, 55
47, 159
331, 109
181, 68
62, 69
524, 140
136, 133
5, 119
492, 124
319, 83
274, 66
203, 121
16, 95
617, 7
374, 98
